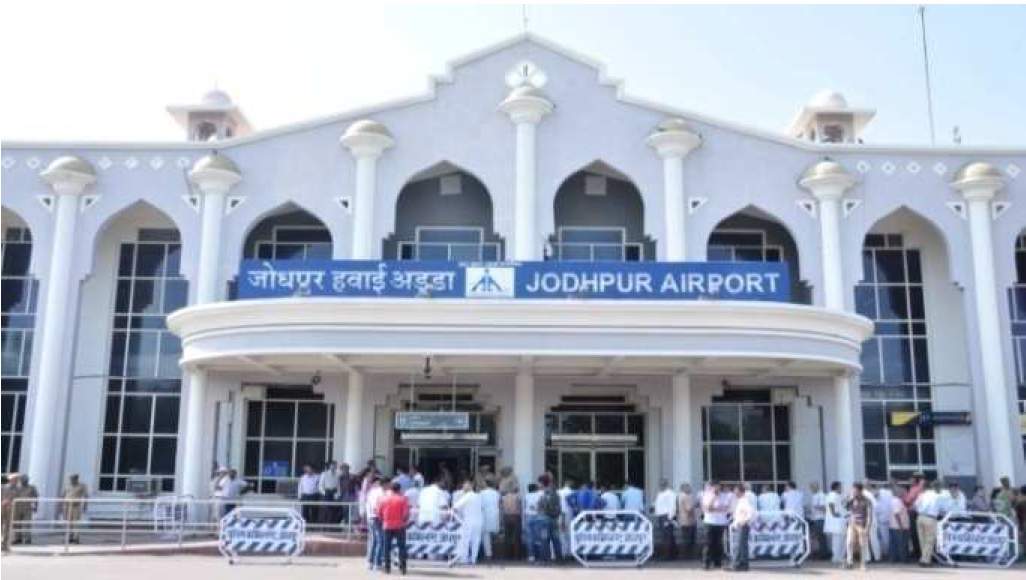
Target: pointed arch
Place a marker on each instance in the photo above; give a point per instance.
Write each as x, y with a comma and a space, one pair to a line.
906, 219
125, 224
753, 234
287, 231
443, 212
599, 214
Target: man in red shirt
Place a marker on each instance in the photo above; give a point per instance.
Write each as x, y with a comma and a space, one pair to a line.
394, 514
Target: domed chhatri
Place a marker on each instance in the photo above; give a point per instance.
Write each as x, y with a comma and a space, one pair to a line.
215, 172
217, 97
69, 170
526, 103
977, 171
828, 99
825, 169
367, 127
215, 162
366, 137
673, 137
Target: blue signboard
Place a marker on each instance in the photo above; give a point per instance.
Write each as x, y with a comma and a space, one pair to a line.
768, 281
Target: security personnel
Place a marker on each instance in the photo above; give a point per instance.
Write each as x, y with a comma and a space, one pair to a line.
24, 508
74, 505
10, 491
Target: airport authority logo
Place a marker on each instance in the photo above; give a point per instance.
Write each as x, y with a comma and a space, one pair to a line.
489, 282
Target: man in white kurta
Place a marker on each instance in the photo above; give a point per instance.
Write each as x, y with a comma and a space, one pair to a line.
431, 504
882, 511
768, 500
490, 500
471, 512
836, 523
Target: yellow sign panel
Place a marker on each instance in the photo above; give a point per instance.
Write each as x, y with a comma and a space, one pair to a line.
902, 418
1022, 423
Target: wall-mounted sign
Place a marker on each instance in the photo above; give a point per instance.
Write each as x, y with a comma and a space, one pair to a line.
930, 418
768, 281
432, 421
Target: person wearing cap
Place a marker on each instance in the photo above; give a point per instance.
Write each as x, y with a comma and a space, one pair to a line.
74, 506
10, 491
23, 510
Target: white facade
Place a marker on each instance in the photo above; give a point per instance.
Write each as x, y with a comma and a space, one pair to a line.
367, 183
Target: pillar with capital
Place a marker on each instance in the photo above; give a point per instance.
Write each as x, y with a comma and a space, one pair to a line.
523, 426
68, 177
213, 176
367, 141
673, 140
526, 105
827, 181
979, 183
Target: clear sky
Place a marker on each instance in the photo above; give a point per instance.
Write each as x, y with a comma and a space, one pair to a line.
105, 70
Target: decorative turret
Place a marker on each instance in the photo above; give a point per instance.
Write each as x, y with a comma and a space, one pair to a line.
214, 118
827, 118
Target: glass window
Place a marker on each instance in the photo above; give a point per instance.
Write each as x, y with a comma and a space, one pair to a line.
140, 428
747, 441
1017, 298
17, 322
277, 445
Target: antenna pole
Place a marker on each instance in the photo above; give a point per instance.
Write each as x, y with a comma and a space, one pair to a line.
926, 73
523, 12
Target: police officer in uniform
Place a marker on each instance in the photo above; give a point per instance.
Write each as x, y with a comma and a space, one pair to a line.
74, 505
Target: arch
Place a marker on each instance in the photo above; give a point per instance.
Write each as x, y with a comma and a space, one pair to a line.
754, 234
443, 212
263, 237
139, 211
905, 217
599, 196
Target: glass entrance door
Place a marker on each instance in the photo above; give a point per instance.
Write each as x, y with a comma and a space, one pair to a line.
612, 468
433, 461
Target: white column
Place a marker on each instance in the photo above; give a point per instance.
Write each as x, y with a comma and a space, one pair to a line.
367, 141
363, 211
194, 468
673, 140
213, 176
979, 188
354, 453
827, 181
681, 444
52, 381
844, 430
526, 106
523, 427
208, 287
524, 219
68, 178
673, 208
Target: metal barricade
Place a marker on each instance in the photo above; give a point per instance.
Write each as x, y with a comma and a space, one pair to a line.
120, 524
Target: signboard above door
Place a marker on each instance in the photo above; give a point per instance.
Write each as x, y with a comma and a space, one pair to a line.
767, 281
432, 421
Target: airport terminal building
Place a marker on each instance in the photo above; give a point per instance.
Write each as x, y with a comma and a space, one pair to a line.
524, 266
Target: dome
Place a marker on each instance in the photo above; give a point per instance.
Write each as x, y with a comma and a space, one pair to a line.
70, 164
217, 97
825, 169
366, 127
673, 124
977, 170
528, 91
828, 99
215, 162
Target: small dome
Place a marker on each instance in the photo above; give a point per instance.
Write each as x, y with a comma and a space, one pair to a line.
828, 99
70, 164
825, 168
217, 97
673, 124
215, 162
977, 170
523, 91
367, 127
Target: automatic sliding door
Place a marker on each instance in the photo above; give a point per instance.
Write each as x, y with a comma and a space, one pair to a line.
611, 468
575, 465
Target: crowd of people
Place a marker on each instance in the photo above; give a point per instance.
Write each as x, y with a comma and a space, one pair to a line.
895, 523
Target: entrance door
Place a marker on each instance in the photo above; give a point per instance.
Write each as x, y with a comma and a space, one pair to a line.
575, 465
432, 461
611, 468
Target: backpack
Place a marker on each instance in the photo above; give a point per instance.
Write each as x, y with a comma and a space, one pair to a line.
549, 504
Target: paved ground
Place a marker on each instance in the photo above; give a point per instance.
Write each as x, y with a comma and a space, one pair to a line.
22, 566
